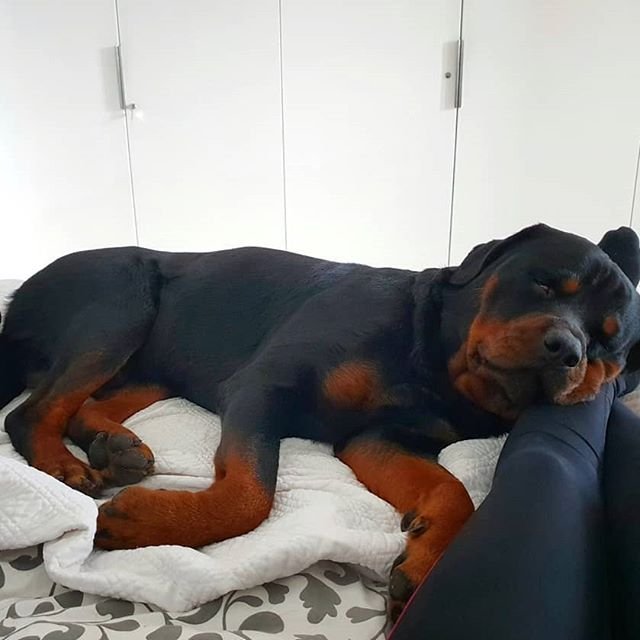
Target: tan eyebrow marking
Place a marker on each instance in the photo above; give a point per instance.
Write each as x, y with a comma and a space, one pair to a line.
610, 326
570, 286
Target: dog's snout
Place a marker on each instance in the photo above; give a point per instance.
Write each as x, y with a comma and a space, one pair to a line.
563, 347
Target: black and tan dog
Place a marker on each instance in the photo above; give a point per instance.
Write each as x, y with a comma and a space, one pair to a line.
387, 365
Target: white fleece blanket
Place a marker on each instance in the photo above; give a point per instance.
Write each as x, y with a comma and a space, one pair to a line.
320, 512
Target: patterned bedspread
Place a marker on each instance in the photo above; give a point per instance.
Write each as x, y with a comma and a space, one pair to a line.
329, 601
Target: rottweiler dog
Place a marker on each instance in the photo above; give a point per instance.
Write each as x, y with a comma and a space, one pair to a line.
387, 365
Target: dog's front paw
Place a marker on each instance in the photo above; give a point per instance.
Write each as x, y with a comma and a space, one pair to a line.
129, 520
139, 517
412, 565
430, 529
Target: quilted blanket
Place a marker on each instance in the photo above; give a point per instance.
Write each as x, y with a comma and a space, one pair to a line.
321, 512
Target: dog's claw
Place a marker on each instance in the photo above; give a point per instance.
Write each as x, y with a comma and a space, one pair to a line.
413, 524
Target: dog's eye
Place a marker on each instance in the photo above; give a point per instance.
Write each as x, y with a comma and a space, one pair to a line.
543, 288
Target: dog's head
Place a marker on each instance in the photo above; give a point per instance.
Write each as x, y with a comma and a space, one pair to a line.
553, 318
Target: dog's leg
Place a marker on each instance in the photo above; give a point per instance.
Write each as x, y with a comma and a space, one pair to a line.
434, 503
246, 464
37, 427
112, 448
97, 345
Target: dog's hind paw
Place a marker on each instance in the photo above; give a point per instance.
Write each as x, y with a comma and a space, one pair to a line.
121, 458
75, 473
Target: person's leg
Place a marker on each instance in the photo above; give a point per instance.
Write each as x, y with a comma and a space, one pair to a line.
622, 510
529, 564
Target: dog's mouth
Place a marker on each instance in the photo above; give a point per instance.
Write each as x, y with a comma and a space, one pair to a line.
523, 384
507, 390
479, 360
526, 384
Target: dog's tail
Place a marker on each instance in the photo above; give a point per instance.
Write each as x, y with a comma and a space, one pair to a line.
11, 382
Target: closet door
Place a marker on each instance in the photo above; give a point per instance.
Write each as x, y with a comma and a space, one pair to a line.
369, 137
550, 118
206, 137
64, 179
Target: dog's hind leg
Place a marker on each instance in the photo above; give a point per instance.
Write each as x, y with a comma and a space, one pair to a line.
112, 448
95, 347
246, 464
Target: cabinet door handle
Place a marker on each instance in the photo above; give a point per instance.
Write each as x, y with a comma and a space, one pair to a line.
124, 105
459, 66
452, 72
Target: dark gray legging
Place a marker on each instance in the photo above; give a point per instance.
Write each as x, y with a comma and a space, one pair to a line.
546, 557
622, 510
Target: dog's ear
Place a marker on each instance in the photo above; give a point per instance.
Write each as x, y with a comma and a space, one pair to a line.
485, 254
623, 247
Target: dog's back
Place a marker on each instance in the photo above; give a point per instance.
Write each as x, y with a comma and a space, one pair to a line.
202, 310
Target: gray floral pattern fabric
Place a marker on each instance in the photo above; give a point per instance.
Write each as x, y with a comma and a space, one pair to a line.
329, 601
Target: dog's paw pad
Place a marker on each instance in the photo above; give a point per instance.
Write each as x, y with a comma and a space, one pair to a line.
122, 458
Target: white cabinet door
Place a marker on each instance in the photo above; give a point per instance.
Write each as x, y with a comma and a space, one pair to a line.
64, 179
207, 151
368, 143
550, 118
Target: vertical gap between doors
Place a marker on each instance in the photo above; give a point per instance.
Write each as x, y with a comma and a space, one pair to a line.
128, 138
634, 197
282, 128
455, 145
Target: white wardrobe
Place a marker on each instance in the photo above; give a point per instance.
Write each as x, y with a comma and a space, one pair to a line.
549, 128
336, 128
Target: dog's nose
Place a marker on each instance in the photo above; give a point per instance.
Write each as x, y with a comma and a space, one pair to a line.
563, 347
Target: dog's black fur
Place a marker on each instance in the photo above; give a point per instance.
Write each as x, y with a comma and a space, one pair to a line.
285, 345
